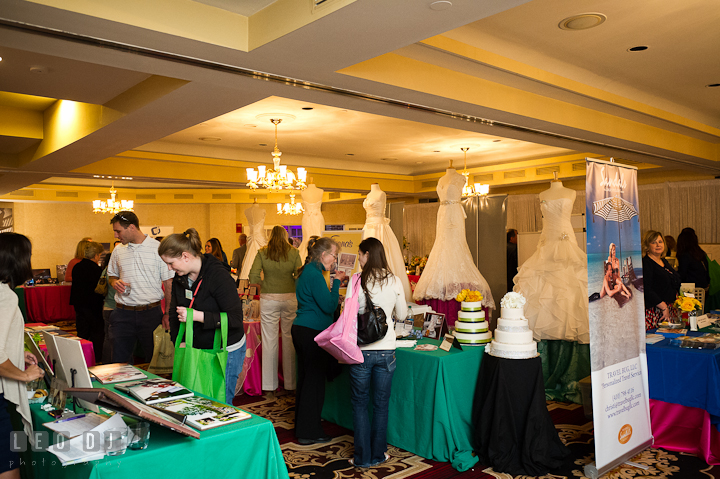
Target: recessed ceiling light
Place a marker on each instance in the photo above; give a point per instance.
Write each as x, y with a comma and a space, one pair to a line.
349, 154
419, 162
436, 151
307, 108
388, 159
38, 69
210, 138
262, 144
713, 85
440, 5
639, 48
582, 21
497, 141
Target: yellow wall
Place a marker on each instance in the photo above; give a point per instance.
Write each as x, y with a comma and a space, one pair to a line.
334, 213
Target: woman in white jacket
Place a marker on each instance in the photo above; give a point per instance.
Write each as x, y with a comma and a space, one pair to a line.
386, 291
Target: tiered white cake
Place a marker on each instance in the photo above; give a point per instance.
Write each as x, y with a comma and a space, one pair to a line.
471, 329
513, 338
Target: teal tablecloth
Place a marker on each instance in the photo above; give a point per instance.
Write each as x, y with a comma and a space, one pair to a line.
564, 364
430, 405
248, 448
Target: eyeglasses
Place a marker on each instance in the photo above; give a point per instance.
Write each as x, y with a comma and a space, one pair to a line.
333, 255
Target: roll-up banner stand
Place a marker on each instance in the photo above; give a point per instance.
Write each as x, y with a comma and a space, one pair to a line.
621, 411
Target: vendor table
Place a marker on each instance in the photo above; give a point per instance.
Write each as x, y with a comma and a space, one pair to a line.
48, 303
430, 404
247, 448
685, 398
87, 347
513, 431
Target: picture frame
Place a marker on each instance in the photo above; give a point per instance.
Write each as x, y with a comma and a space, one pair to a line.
434, 325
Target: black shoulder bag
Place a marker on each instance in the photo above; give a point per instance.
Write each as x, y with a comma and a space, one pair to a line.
372, 324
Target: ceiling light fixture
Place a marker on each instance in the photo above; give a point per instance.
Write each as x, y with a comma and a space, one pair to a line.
112, 206
713, 85
279, 178
582, 21
290, 209
639, 48
475, 190
210, 138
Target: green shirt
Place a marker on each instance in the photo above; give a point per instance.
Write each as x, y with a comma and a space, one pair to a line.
279, 275
316, 303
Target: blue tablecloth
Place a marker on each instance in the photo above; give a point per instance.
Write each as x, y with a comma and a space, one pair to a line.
689, 377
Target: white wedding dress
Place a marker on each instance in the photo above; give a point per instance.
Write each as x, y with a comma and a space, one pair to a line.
554, 279
378, 226
313, 224
256, 238
450, 267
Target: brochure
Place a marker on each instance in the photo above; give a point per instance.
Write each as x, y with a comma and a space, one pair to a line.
116, 373
157, 390
202, 413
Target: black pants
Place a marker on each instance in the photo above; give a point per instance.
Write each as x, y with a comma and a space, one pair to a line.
313, 365
128, 327
91, 326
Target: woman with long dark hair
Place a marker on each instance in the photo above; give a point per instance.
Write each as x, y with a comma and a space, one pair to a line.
385, 291
692, 260
213, 247
15, 269
316, 305
279, 262
204, 283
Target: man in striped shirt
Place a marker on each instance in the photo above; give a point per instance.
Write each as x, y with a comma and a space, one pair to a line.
136, 272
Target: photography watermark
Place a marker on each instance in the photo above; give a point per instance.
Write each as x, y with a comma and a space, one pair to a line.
92, 441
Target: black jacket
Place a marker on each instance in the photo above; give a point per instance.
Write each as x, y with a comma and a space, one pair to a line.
693, 271
661, 283
215, 294
85, 278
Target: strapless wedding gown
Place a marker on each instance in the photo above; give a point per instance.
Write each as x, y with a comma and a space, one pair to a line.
377, 226
255, 240
450, 267
313, 224
554, 279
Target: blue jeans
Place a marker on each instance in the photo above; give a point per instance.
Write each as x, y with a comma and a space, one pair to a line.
371, 440
232, 371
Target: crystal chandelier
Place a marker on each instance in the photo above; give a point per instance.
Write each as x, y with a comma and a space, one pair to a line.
112, 206
291, 208
472, 190
279, 178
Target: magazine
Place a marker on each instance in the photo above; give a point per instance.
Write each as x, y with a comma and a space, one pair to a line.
202, 413
116, 373
152, 391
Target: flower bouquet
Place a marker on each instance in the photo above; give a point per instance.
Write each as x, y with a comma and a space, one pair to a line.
469, 296
687, 306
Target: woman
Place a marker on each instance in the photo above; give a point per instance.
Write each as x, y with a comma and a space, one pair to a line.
671, 251
87, 303
316, 305
613, 260
661, 281
385, 291
279, 262
15, 269
205, 283
212, 246
79, 255
692, 260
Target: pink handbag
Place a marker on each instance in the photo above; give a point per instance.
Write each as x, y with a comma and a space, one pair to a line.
340, 339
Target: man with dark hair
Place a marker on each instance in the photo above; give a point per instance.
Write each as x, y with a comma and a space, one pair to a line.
239, 256
512, 257
137, 273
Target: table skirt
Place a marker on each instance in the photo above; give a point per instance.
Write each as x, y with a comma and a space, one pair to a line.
685, 429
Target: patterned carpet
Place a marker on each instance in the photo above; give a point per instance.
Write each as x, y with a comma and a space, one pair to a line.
330, 461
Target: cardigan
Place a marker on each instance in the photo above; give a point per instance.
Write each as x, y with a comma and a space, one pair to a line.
661, 283
316, 304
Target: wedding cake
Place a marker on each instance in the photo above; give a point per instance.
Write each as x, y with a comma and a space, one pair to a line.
513, 338
471, 329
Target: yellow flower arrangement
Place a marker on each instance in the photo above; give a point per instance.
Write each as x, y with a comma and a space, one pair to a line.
469, 296
687, 304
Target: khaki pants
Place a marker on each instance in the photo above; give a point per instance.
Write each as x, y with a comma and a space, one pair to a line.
271, 313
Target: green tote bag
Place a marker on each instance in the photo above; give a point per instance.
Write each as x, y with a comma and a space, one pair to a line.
202, 370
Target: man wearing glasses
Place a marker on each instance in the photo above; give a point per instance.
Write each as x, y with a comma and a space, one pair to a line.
136, 272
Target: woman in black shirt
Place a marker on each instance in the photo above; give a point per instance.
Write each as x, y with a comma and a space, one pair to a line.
692, 260
660, 280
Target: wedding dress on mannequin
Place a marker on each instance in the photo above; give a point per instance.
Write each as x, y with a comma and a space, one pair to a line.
554, 279
313, 222
255, 237
450, 267
378, 226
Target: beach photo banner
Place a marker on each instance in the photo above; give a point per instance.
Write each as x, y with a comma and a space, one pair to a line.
621, 412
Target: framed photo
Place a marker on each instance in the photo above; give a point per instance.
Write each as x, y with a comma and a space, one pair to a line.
434, 325
347, 261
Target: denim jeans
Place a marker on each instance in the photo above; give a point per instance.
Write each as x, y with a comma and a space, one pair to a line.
232, 371
371, 440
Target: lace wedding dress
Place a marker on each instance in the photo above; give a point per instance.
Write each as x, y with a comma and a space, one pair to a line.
554, 279
378, 226
313, 224
450, 267
255, 238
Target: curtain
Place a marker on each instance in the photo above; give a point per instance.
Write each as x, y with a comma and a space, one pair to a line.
419, 224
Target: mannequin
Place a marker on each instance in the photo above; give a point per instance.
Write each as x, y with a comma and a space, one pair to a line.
556, 191
255, 237
313, 222
378, 226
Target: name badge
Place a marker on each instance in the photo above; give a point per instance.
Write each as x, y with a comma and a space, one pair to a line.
188, 294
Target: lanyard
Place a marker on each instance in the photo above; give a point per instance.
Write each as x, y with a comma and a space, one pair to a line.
194, 293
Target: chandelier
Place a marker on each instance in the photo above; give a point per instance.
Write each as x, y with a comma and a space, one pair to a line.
112, 206
472, 190
290, 209
279, 177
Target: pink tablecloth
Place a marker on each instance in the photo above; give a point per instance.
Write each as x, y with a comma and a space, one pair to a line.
48, 303
251, 376
685, 429
87, 347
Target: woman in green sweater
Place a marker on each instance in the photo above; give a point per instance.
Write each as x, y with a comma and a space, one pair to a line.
279, 262
316, 305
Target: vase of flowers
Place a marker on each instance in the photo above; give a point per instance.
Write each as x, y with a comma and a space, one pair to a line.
687, 305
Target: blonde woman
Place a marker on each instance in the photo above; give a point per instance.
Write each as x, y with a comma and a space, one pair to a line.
278, 261
661, 281
79, 255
